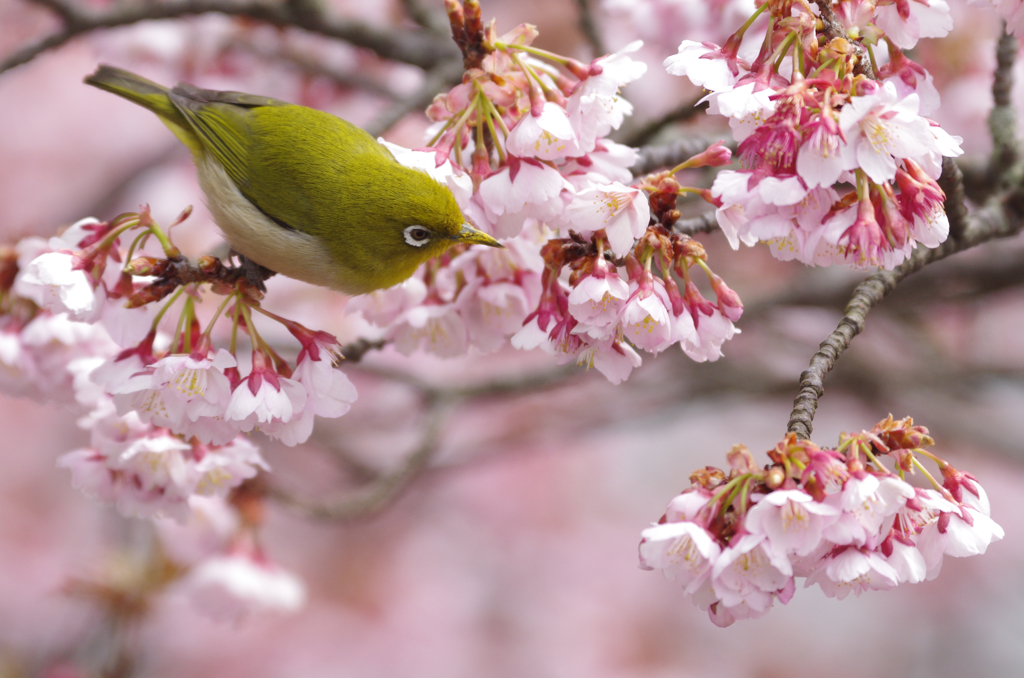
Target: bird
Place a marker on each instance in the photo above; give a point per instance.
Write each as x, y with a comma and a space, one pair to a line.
302, 192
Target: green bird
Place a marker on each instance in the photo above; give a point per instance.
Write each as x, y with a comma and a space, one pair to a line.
302, 192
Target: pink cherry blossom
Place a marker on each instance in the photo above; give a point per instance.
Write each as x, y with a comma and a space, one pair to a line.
705, 64
853, 570
923, 19
622, 211
56, 282
548, 136
881, 128
791, 520
683, 551
865, 502
232, 587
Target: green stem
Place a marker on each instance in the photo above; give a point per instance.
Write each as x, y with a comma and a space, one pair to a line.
138, 242
936, 484
220, 309
871, 58
440, 133
190, 312
234, 326
170, 251
500, 147
536, 51
873, 459
529, 73
130, 222
165, 307
495, 113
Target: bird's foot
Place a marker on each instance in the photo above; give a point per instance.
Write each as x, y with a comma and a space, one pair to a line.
255, 274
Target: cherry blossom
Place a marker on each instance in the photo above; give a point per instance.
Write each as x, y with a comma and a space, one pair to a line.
231, 587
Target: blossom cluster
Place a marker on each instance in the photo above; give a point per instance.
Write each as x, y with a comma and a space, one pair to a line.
817, 108
167, 411
737, 541
522, 144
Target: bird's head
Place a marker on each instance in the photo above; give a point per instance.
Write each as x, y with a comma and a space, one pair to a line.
423, 222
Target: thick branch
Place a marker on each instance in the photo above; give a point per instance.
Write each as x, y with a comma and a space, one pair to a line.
952, 184
1002, 121
987, 224
421, 49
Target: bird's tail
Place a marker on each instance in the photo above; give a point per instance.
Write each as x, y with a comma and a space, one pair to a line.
147, 94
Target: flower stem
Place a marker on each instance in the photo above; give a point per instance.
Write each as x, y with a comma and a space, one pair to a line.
166, 306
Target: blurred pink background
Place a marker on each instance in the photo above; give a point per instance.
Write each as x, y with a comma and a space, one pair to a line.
516, 554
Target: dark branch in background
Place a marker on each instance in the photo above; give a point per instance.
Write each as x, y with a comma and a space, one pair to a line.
424, 17
423, 49
672, 154
379, 494
436, 80
986, 224
589, 28
641, 134
705, 223
439, 402
313, 66
355, 351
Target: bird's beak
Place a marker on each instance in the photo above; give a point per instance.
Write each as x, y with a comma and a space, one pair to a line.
470, 235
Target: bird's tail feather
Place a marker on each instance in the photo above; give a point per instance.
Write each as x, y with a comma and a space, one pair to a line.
147, 94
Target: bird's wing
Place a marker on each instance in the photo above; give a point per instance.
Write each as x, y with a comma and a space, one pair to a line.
220, 120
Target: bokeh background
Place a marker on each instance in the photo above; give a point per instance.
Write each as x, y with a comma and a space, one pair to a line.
515, 553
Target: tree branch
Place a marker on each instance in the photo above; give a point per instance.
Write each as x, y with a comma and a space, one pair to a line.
381, 493
422, 49
1002, 121
639, 135
986, 224
444, 75
705, 223
314, 66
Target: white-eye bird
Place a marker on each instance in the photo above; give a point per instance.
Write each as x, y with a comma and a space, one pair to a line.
302, 192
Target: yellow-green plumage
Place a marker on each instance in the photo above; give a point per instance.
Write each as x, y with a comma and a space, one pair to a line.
301, 191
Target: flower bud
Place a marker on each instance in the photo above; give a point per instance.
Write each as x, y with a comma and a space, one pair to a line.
146, 266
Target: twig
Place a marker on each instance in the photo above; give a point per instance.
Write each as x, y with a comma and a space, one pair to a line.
589, 28
378, 495
670, 155
640, 135
385, 488
986, 224
421, 49
444, 75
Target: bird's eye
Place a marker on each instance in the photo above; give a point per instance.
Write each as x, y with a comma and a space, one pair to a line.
417, 236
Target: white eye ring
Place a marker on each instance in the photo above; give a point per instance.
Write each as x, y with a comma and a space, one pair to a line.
416, 235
